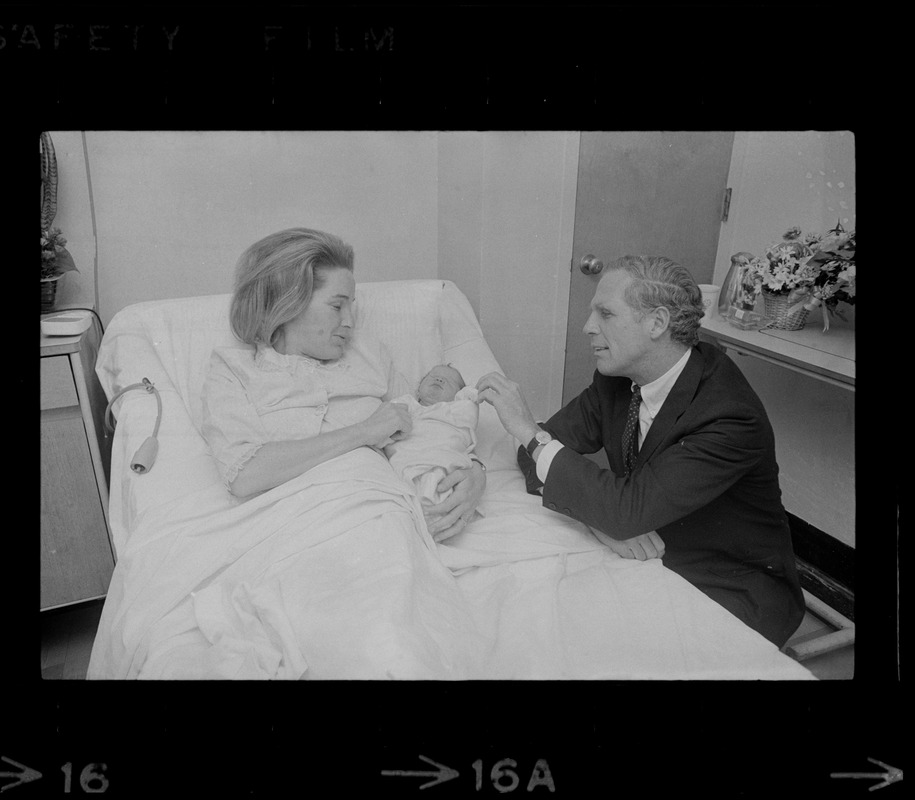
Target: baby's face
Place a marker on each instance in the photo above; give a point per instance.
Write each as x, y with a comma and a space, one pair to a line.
441, 384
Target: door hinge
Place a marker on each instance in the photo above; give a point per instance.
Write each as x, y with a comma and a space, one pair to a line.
726, 205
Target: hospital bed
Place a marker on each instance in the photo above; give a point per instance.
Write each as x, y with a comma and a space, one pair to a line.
531, 594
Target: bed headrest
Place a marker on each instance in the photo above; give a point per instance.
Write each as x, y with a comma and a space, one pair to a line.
422, 323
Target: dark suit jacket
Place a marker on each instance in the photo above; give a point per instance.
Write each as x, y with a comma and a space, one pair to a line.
705, 479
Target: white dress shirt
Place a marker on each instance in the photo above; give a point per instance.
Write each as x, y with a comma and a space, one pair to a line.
653, 396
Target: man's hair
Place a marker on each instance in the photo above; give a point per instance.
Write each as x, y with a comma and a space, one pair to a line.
658, 281
276, 277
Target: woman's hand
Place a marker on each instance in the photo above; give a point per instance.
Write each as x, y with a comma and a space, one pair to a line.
388, 421
449, 517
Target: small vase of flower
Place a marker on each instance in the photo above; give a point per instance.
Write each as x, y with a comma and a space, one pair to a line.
56, 261
738, 297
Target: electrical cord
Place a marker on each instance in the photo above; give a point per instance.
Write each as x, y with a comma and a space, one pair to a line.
91, 214
143, 460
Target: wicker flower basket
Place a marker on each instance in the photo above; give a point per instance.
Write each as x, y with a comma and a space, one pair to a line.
776, 310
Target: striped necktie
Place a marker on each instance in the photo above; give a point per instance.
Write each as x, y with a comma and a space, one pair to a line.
630, 433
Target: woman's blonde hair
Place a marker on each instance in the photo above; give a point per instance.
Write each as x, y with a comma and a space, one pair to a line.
276, 277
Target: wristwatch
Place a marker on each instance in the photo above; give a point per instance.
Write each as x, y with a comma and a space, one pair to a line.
541, 437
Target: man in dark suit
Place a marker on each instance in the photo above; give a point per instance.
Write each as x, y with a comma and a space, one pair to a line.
693, 476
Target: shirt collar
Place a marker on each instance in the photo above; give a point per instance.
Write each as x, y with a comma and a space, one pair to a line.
655, 393
269, 360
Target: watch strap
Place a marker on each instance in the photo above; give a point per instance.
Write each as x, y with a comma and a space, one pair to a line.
533, 444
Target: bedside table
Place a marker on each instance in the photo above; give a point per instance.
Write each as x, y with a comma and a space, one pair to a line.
77, 557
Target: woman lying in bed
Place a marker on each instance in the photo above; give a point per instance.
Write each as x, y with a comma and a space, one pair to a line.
348, 583
309, 391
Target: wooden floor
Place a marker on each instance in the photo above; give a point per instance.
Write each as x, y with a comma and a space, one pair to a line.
67, 635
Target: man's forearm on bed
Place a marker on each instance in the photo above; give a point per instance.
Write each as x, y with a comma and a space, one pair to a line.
278, 462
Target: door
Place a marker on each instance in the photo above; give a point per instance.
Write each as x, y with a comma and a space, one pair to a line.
642, 193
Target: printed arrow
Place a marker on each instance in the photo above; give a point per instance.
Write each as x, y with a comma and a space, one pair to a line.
441, 774
892, 775
24, 775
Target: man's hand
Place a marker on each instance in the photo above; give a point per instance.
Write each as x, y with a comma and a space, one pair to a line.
451, 516
505, 396
643, 547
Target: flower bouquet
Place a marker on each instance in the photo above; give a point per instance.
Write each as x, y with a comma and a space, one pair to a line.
836, 274
798, 274
55, 260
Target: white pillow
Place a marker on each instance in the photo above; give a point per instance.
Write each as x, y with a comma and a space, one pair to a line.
406, 317
167, 341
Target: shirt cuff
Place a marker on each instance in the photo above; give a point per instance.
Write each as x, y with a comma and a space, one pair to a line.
546, 457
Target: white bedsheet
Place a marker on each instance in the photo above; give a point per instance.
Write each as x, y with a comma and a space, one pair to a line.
334, 575
327, 576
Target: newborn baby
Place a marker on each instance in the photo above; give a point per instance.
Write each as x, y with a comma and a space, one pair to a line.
445, 415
